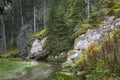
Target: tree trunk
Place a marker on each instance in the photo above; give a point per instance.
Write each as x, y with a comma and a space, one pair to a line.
88, 9
12, 31
44, 14
21, 13
35, 17
3, 34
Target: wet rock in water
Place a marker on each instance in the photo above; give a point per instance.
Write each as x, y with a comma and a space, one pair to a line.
37, 50
23, 40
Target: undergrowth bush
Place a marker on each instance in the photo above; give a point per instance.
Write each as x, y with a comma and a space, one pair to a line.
101, 61
93, 22
114, 9
9, 53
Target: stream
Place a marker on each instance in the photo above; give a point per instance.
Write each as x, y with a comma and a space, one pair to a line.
37, 70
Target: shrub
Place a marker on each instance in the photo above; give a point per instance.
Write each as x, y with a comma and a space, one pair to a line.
9, 53
114, 9
114, 12
100, 72
93, 51
110, 4
83, 29
70, 52
93, 22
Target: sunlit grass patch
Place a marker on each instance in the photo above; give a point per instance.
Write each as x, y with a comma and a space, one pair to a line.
8, 67
64, 76
9, 53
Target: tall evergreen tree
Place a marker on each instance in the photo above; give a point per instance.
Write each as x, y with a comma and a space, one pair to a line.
58, 32
75, 13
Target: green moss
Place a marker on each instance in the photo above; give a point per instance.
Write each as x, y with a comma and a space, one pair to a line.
9, 53
83, 29
64, 76
42, 33
8, 67
70, 52
117, 4
87, 26
114, 12
114, 4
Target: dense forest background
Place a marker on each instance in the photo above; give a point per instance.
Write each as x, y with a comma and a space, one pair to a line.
17, 13
58, 25
38, 14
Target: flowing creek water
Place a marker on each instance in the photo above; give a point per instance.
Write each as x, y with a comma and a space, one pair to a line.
38, 71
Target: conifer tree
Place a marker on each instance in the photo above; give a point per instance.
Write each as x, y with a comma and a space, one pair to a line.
58, 32
75, 13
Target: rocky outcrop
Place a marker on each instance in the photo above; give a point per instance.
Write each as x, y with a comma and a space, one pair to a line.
23, 40
93, 36
37, 50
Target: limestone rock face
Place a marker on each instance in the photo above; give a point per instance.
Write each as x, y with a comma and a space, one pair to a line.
93, 36
23, 40
37, 48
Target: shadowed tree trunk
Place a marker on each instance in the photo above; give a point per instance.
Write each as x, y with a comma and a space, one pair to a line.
3, 33
21, 13
88, 8
44, 13
35, 17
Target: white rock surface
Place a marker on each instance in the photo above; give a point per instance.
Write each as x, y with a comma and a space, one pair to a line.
93, 36
37, 47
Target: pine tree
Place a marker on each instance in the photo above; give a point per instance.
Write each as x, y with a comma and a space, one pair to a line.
75, 13
58, 32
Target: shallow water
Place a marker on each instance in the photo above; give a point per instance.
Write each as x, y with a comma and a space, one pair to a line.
14, 69
38, 71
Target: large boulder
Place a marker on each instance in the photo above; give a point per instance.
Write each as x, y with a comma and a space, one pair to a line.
23, 40
36, 50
